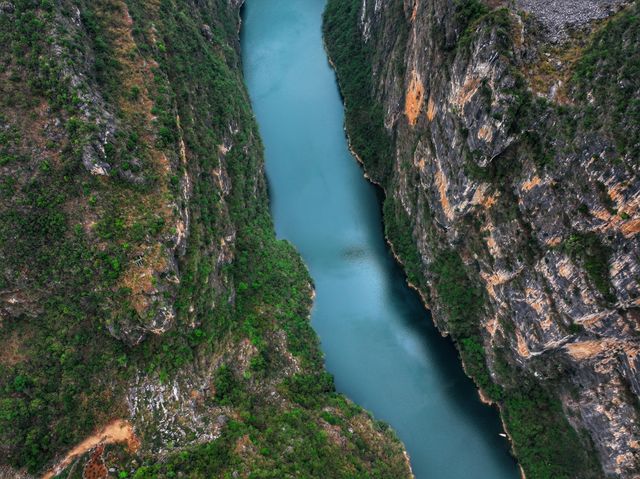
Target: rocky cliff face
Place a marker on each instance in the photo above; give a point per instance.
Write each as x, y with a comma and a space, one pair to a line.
150, 323
511, 164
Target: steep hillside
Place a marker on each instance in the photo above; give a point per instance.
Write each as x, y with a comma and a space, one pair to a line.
150, 323
507, 138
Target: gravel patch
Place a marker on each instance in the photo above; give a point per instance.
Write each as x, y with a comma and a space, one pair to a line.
560, 16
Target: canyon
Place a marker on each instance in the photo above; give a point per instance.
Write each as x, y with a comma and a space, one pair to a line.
506, 142
156, 316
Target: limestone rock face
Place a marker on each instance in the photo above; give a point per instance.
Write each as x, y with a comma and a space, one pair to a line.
482, 162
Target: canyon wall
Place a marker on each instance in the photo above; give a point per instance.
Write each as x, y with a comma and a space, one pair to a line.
506, 136
150, 323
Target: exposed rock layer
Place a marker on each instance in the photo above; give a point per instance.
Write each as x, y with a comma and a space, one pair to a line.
481, 166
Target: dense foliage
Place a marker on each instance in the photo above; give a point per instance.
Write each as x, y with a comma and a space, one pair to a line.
364, 115
398, 227
588, 248
609, 72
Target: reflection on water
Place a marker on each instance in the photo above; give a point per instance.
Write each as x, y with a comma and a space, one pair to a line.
354, 253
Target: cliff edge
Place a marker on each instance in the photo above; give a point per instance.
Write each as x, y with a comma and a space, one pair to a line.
507, 138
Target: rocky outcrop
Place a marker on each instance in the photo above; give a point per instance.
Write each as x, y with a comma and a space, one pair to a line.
539, 202
7, 7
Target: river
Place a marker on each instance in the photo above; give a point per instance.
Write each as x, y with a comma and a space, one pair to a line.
379, 341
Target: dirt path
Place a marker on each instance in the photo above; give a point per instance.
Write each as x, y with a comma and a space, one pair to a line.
117, 431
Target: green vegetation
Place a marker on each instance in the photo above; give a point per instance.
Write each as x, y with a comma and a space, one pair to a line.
69, 241
285, 444
609, 70
67, 281
464, 300
594, 256
399, 230
468, 11
546, 445
467, 15
364, 115
473, 17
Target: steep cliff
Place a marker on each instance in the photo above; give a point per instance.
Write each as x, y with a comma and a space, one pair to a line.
507, 138
148, 316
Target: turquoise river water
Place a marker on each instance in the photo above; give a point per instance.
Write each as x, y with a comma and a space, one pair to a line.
378, 340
